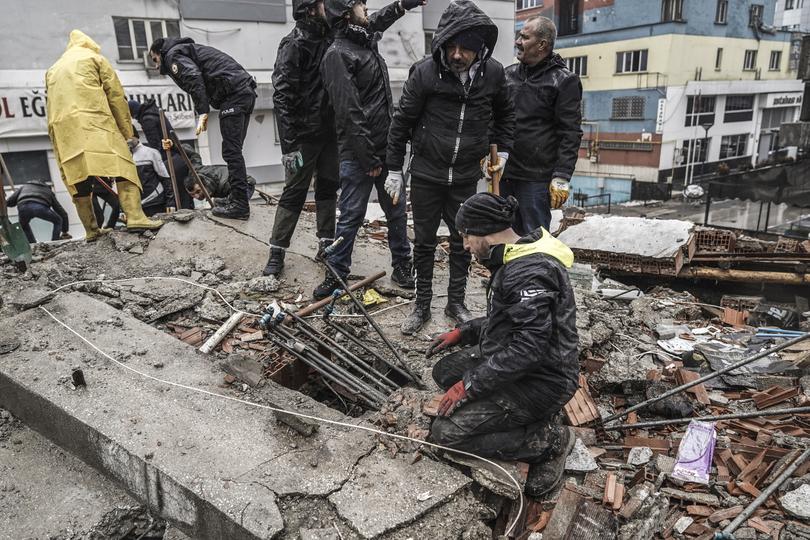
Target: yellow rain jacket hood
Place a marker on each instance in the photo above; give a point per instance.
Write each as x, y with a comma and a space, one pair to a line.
88, 115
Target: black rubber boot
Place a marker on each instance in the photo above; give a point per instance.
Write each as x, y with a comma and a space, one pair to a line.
326, 287
403, 275
233, 210
457, 311
275, 264
416, 320
544, 476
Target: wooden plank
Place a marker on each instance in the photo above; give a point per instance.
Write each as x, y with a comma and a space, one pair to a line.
610, 488
726, 513
618, 497
563, 514
696, 510
747, 472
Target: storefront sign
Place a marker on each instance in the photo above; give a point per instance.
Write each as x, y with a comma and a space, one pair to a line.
23, 111
791, 99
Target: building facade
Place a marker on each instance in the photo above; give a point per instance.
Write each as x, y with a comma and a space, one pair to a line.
792, 15
657, 73
248, 31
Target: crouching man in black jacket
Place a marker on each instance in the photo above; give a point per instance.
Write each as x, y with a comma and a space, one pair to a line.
214, 79
520, 366
36, 199
355, 77
454, 105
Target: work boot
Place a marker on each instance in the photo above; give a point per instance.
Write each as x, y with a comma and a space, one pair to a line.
403, 275
544, 476
416, 320
326, 287
129, 195
84, 207
233, 209
275, 264
323, 243
457, 311
220, 201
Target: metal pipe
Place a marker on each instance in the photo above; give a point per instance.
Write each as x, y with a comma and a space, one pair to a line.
328, 364
352, 358
315, 306
756, 503
415, 378
754, 414
732, 367
371, 351
314, 364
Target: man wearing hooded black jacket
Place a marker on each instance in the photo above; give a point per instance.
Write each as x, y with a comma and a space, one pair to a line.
520, 363
548, 111
356, 80
306, 129
214, 79
455, 103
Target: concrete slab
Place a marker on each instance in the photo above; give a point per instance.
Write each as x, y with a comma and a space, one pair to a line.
657, 238
385, 493
46, 492
189, 457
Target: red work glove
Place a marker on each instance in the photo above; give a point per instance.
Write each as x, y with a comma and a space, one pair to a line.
452, 399
443, 341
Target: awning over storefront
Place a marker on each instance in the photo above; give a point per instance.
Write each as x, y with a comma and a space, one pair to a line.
788, 184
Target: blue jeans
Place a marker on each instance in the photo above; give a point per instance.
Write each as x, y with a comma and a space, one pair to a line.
534, 204
355, 190
26, 211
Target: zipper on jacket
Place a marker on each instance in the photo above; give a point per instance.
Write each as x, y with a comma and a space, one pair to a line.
467, 91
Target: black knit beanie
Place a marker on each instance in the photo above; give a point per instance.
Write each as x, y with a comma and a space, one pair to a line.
486, 213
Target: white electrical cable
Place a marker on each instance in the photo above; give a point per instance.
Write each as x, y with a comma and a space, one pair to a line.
268, 407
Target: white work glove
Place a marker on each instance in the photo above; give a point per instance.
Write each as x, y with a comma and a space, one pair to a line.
558, 190
488, 168
393, 185
202, 123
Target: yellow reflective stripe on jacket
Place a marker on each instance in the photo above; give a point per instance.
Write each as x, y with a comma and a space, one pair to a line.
546, 244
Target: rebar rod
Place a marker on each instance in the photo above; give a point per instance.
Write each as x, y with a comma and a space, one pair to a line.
754, 414
415, 378
707, 377
372, 392
349, 357
767, 492
354, 339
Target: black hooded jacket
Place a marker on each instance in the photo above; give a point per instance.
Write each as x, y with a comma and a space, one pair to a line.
301, 106
38, 191
356, 80
148, 117
207, 74
450, 124
548, 101
529, 337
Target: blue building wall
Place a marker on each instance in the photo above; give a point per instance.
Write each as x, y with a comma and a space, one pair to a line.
599, 106
619, 188
632, 19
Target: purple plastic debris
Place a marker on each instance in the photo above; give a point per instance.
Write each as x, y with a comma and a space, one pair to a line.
695, 453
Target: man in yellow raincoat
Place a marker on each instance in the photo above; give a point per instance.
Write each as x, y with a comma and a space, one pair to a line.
89, 124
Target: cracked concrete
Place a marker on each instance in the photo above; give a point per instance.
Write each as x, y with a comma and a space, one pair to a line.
212, 467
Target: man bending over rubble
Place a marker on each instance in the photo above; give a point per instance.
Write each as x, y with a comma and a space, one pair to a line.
519, 366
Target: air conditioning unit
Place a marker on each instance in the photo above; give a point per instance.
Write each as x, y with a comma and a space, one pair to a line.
646, 137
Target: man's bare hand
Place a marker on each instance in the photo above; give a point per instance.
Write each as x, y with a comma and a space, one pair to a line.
375, 172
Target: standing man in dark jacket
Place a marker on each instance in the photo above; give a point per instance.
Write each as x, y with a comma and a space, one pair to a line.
306, 127
454, 105
548, 113
214, 79
356, 80
36, 199
520, 366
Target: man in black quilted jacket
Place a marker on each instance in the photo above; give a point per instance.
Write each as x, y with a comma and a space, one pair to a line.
455, 103
355, 76
520, 364
214, 79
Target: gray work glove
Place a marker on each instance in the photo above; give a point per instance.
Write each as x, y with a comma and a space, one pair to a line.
293, 161
393, 185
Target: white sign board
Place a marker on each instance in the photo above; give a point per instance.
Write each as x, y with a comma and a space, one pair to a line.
23, 111
785, 99
659, 117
